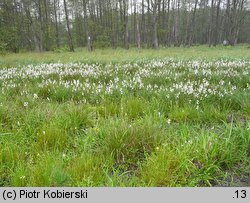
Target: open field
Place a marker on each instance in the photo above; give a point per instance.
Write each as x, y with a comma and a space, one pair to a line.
169, 117
121, 55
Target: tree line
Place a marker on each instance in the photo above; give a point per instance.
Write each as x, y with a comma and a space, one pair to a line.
45, 25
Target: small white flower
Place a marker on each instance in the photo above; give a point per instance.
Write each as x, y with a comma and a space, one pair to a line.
169, 121
35, 96
25, 104
22, 177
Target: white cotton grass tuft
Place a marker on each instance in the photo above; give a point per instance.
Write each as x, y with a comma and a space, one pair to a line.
26, 104
174, 79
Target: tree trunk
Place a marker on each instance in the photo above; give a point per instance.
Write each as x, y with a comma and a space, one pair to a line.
70, 41
216, 38
143, 23
154, 24
125, 17
192, 32
168, 35
210, 35
47, 40
177, 22
41, 26
56, 23
138, 36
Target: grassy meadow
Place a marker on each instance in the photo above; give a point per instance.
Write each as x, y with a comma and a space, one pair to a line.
167, 117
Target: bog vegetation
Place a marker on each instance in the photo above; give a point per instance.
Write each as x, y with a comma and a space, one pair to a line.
180, 120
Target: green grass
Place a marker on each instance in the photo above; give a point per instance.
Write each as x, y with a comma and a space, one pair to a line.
132, 123
121, 55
